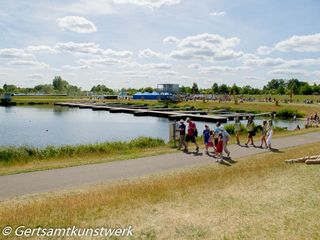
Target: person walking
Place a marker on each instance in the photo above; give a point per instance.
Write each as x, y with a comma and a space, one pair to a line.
219, 148
216, 132
269, 134
182, 131
264, 130
237, 129
191, 134
250, 129
206, 137
226, 139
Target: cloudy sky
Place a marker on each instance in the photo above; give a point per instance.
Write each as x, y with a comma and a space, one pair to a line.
138, 43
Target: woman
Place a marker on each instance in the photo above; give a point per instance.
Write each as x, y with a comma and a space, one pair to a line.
269, 134
264, 130
250, 129
237, 129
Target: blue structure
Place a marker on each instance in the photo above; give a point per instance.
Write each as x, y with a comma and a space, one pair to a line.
151, 96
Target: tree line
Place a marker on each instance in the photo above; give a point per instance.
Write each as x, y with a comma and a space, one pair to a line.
274, 86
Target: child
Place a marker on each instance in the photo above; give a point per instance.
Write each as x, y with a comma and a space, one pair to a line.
219, 147
264, 130
210, 141
206, 136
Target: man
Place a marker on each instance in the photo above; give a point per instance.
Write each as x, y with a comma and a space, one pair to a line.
182, 131
191, 135
226, 139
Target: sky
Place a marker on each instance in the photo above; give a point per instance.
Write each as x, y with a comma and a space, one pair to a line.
140, 43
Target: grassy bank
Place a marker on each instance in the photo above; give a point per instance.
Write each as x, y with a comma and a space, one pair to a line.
25, 158
260, 197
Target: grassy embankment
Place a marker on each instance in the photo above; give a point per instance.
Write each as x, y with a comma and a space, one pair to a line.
260, 197
26, 159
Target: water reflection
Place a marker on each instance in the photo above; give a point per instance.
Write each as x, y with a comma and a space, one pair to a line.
62, 125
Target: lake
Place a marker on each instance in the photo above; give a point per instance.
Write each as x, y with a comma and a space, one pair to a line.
40, 126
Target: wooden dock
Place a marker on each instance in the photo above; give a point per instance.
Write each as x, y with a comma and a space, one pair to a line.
221, 116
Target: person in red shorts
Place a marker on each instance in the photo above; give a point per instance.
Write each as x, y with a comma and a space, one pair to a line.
219, 147
192, 134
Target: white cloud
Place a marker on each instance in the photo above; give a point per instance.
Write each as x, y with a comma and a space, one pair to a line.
305, 43
224, 69
96, 62
171, 40
27, 63
148, 53
218, 14
84, 48
14, 53
41, 49
94, 7
264, 50
289, 72
117, 54
194, 66
35, 76
207, 47
267, 62
149, 3
76, 24
92, 49
158, 66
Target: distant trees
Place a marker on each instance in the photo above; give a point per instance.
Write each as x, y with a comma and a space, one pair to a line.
102, 89
274, 86
58, 86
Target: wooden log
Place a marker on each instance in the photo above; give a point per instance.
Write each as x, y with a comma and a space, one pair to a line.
303, 159
313, 161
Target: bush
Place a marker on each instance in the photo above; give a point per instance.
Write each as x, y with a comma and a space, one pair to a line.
289, 113
230, 128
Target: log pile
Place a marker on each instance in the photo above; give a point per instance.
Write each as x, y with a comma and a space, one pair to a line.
307, 160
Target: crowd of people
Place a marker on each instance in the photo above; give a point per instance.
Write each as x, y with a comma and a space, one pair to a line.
217, 138
313, 121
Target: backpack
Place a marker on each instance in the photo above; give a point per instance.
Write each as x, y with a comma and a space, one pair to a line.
195, 132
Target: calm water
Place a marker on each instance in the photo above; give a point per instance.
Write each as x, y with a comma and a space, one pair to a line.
61, 125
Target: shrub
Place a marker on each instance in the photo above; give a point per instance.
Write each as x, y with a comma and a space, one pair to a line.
289, 113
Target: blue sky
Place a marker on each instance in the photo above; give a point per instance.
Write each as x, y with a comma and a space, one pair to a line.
138, 43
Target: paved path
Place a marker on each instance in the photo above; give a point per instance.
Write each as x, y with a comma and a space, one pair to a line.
65, 178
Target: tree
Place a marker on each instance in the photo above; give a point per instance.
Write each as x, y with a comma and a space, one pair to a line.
235, 89
223, 89
10, 88
194, 88
60, 85
215, 88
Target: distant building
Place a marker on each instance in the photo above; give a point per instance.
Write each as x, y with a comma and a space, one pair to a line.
147, 96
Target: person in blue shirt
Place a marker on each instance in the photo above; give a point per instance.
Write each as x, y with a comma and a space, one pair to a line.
206, 137
182, 131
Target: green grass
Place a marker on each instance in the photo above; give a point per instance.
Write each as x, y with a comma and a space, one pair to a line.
11, 155
260, 197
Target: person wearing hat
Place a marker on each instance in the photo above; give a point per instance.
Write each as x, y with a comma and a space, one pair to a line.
191, 134
226, 139
182, 131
